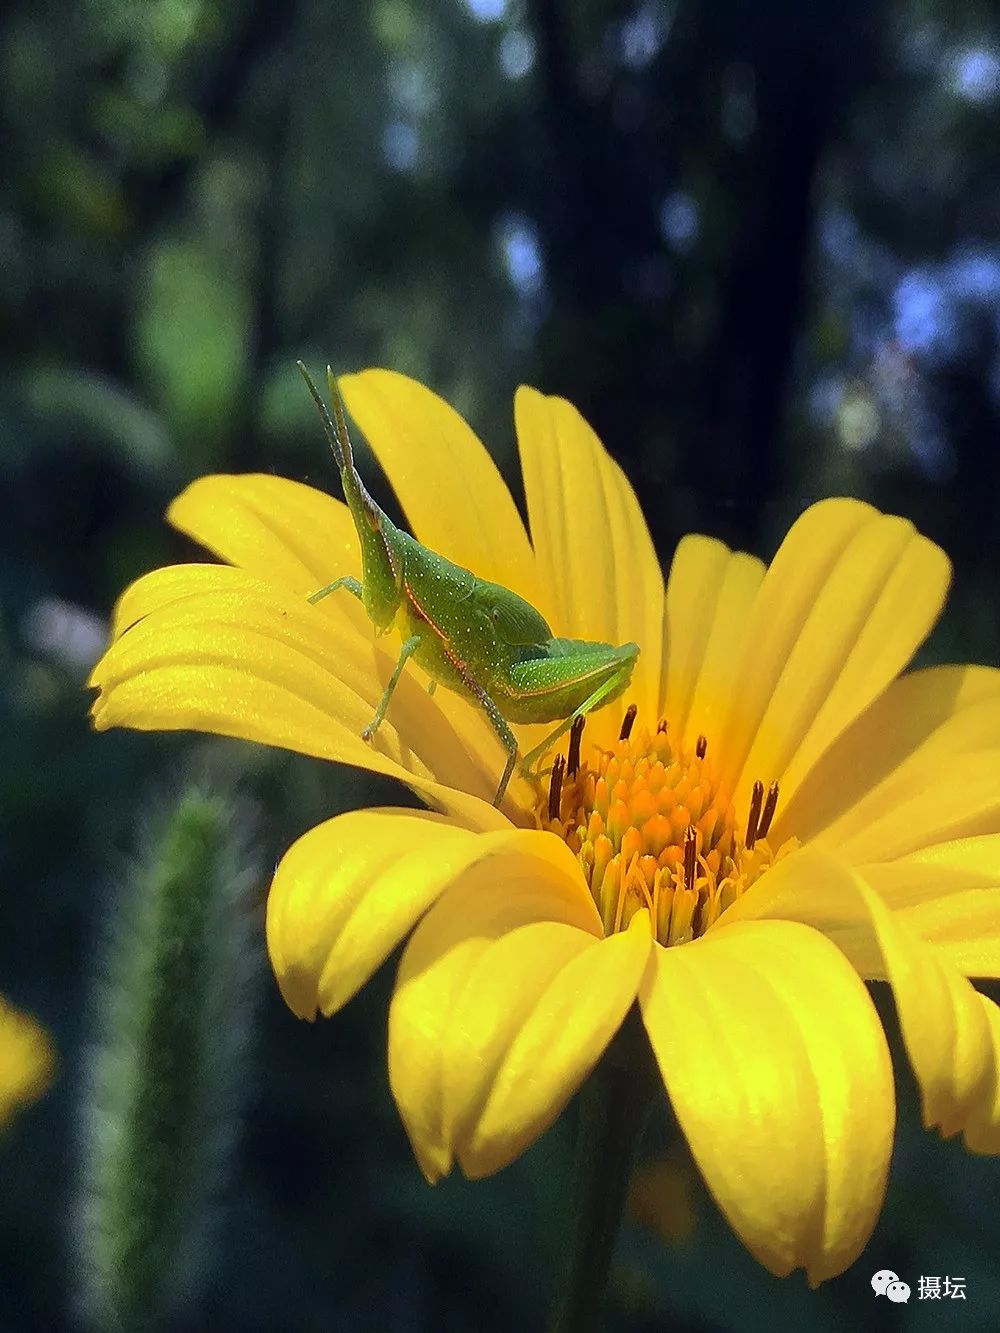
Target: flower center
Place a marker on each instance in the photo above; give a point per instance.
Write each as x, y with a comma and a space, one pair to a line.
653, 827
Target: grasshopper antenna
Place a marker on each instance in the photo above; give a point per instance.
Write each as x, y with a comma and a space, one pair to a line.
336, 434
338, 412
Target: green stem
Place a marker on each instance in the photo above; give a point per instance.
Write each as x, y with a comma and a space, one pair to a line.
612, 1113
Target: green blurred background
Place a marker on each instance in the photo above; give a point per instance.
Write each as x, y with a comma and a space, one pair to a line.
756, 244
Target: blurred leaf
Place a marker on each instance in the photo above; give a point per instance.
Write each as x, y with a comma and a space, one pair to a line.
109, 415
76, 189
192, 341
155, 135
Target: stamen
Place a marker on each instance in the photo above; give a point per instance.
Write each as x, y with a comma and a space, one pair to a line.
555, 786
770, 805
652, 826
627, 722
573, 751
690, 855
753, 819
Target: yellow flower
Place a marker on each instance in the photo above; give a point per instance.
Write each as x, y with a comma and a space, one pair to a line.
804, 820
27, 1061
661, 1198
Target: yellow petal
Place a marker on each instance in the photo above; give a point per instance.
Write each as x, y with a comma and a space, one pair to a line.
164, 587
944, 1027
982, 1132
903, 752
697, 572
537, 1024
847, 600
281, 531
965, 927
349, 890
595, 556
27, 1061
710, 596
446, 716
942, 872
451, 491
246, 661
465, 986
765, 1036
939, 871
921, 805
922, 718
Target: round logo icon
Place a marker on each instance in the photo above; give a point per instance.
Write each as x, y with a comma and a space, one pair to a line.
881, 1280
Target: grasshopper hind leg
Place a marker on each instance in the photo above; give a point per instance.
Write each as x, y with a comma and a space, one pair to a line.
606, 691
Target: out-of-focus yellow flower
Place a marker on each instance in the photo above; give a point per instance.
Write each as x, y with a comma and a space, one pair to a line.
661, 1198
778, 815
27, 1061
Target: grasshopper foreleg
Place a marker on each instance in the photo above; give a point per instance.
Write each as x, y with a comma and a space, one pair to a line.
352, 585
410, 646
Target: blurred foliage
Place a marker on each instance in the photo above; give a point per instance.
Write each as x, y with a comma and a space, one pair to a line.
756, 244
168, 1072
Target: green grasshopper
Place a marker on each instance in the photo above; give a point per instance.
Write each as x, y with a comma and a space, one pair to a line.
476, 638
